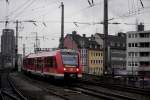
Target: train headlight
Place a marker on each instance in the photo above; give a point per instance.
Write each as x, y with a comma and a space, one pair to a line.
77, 69
64, 69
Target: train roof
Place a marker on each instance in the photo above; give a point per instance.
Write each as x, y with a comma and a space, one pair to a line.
42, 54
48, 53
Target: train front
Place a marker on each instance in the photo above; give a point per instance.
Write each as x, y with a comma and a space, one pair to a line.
71, 64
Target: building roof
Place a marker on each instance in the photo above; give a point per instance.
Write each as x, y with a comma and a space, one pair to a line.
41, 54
120, 38
113, 38
83, 41
148, 31
79, 40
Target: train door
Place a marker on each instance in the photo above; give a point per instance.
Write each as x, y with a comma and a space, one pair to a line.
50, 64
54, 64
45, 66
42, 65
39, 65
24, 64
35, 64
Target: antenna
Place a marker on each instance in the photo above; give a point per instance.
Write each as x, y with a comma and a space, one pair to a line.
6, 17
136, 23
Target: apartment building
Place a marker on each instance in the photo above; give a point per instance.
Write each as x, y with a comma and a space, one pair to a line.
138, 52
116, 52
95, 57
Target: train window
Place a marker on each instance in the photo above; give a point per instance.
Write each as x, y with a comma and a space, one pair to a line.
30, 61
24, 61
39, 62
54, 62
49, 62
35, 61
70, 59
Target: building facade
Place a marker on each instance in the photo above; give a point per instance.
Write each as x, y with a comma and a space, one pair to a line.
91, 55
116, 52
80, 43
95, 57
8, 48
138, 53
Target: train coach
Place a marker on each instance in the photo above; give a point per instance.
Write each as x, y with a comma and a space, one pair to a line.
59, 64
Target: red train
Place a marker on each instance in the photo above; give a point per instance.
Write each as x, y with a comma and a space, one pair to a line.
62, 63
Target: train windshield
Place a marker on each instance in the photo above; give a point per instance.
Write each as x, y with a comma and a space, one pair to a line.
70, 58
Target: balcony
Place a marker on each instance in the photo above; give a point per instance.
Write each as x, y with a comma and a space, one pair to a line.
141, 49
144, 58
143, 39
144, 68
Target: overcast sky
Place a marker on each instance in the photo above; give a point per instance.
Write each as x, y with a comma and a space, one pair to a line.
49, 13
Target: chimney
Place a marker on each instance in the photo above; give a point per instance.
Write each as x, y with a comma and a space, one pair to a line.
84, 35
74, 32
140, 27
92, 37
121, 34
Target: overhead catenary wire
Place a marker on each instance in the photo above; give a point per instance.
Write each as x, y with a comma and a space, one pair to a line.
38, 10
90, 23
127, 15
71, 15
18, 8
142, 3
44, 6
19, 13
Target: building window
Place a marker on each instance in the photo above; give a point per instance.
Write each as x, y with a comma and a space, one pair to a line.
123, 45
144, 54
95, 46
118, 44
129, 44
132, 63
144, 35
145, 44
115, 44
136, 63
129, 54
90, 46
132, 44
136, 54
132, 54
129, 63
136, 45
112, 44
132, 35
129, 35
135, 35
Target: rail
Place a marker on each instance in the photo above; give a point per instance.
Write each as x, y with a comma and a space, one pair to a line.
8, 91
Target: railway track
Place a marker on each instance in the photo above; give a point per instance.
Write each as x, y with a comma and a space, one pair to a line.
100, 93
57, 89
7, 89
79, 90
119, 87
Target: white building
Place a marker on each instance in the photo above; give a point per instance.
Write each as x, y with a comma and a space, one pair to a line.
138, 53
